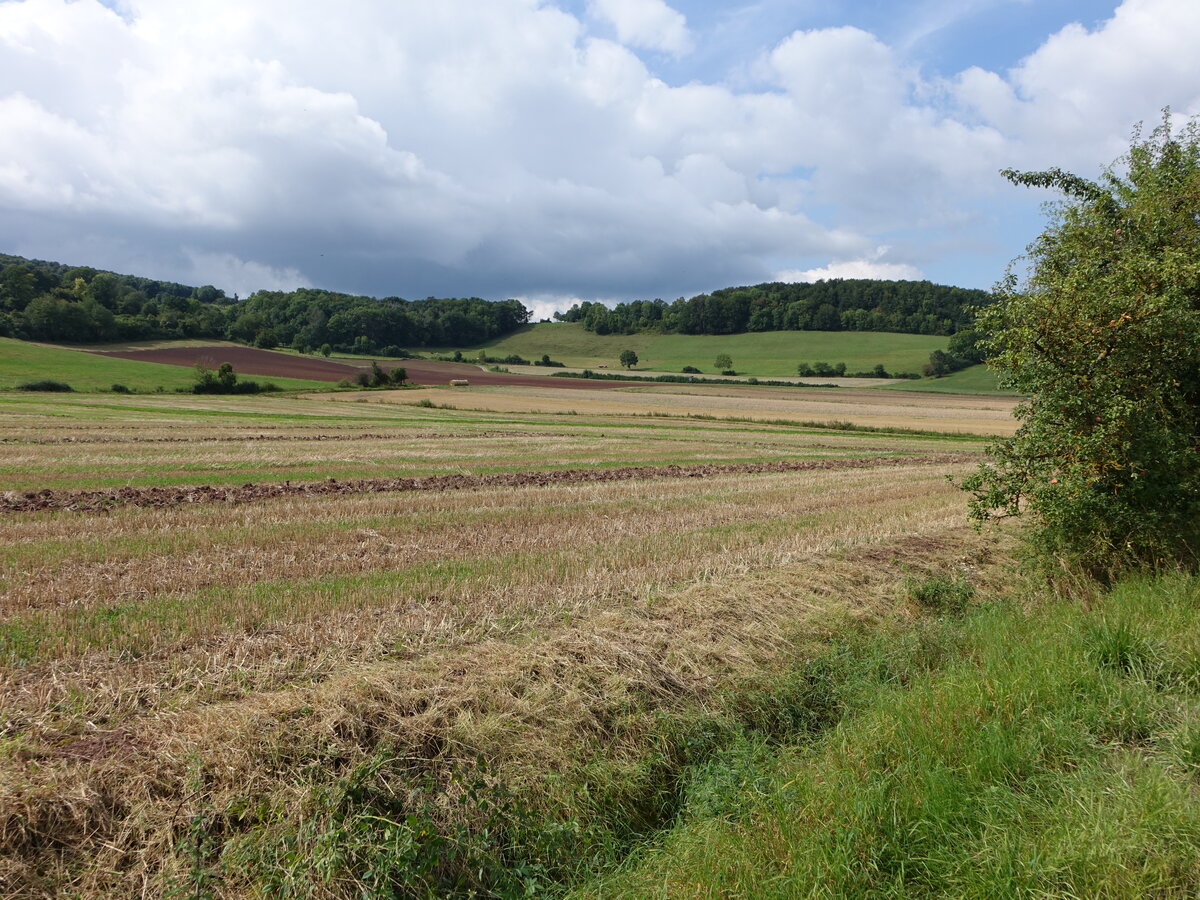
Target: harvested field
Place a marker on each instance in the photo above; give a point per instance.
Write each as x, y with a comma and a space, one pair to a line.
40, 501
194, 674
949, 413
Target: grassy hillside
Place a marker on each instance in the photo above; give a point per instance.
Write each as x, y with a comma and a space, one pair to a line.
21, 361
760, 353
975, 380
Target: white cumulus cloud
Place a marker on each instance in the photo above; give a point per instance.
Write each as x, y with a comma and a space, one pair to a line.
651, 24
873, 266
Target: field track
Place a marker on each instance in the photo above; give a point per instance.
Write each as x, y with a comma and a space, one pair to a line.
252, 361
156, 497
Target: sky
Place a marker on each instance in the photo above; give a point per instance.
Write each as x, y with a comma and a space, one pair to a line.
558, 150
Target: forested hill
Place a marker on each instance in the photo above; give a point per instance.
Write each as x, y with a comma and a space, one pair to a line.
914, 307
52, 302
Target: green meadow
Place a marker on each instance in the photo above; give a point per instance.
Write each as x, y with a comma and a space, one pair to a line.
763, 353
974, 380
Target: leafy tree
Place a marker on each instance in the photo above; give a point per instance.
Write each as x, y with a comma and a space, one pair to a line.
723, 361
1104, 338
629, 359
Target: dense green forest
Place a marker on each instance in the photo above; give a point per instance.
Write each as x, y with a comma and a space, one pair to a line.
911, 307
53, 302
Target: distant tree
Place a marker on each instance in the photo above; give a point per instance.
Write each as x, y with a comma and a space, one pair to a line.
326, 350
723, 361
629, 359
379, 378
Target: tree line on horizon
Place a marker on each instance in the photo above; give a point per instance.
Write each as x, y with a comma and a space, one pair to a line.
50, 301
839, 304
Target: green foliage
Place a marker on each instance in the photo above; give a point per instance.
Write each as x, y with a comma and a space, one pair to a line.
941, 594
45, 384
1105, 340
723, 361
915, 307
225, 381
629, 359
379, 378
42, 300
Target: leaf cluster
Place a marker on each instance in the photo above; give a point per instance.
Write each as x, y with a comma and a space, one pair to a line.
1104, 338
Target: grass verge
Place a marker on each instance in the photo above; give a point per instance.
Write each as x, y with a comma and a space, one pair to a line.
1007, 752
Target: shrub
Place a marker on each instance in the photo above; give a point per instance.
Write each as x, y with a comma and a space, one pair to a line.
690, 370
224, 381
379, 378
45, 384
120, 389
1104, 339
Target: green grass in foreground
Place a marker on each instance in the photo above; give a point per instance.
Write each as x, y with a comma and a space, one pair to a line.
764, 353
1050, 753
21, 361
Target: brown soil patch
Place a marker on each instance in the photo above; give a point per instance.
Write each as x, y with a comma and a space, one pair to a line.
252, 361
245, 361
159, 497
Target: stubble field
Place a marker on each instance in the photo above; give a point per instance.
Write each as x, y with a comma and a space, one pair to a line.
248, 645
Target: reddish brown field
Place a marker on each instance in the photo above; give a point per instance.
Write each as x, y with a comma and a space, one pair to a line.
245, 361
252, 361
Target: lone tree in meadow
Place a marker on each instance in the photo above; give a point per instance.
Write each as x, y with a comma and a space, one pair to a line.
1104, 339
629, 359
723, 362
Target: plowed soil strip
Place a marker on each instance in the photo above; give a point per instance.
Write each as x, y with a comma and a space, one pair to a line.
277, 438
158, 497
